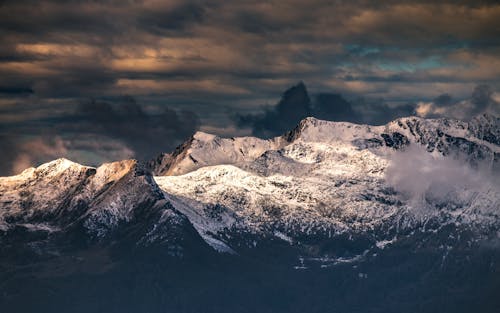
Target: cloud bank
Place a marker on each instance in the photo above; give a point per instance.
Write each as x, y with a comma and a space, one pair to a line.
482, 100
429, 182
93, 132
364, 61
241, 52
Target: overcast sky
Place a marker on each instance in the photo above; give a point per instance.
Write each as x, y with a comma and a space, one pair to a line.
103, 80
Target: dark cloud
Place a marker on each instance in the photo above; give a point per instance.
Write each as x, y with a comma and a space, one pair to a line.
295, 105
20, 153
8, 155
82, 48
220, 59
15, 90
94, 132
177, 18
146, 134
378, 112
333, 107
483, 100
443, 100
256, 22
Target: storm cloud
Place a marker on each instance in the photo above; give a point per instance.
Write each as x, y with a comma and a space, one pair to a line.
483, 100
146, 134
247, 48
92, 132
363, 61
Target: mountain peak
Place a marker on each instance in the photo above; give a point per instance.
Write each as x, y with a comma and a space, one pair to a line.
114, 171
321, 178
204, 149
301, 126
488, 118
55, 167
309, 121
202, 136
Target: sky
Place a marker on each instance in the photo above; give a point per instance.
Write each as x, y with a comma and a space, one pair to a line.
96, 81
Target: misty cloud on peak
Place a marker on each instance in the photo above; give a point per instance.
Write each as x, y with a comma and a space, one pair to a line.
426, 180
482, 100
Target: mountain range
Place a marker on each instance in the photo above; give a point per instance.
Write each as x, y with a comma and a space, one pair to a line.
394, 212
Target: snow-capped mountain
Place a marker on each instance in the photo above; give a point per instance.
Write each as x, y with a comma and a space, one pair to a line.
478, 138
320, 181
204, 149
328, 178
70, 205
406, 214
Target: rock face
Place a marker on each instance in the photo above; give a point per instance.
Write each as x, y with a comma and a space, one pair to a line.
69, 204
204, 149
405, 216
320, 181
328, 179
478, 138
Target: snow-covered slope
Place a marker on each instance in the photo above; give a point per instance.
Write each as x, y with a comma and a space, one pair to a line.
204, 149
63, 199
478, 139
326, 178
320, 181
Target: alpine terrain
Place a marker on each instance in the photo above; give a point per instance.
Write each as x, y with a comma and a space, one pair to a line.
329, 217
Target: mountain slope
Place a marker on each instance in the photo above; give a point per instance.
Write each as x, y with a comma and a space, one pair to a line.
405, 216
478, 138
328, 178
204, 149
71, 205
320, 181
